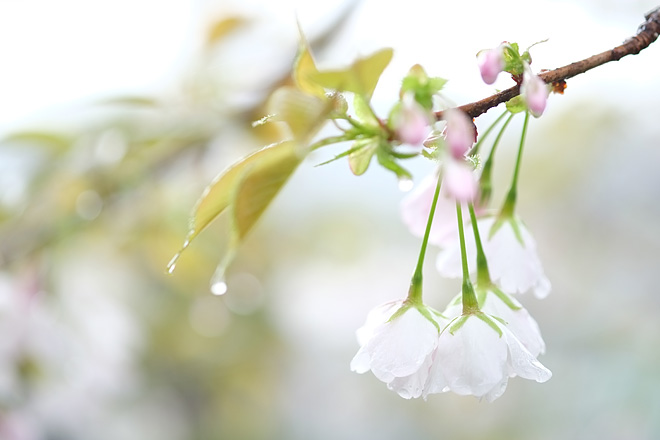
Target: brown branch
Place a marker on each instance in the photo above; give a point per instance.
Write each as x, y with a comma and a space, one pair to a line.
646, 34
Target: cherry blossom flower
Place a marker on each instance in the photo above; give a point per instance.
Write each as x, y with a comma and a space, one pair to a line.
535, 93
459, 133
460, 181
494, 302
412, 122
415, 209
513, 261
397, 342
491, 63
476, 355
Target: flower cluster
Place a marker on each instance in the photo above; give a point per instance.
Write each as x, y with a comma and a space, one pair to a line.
484, 336
505, 57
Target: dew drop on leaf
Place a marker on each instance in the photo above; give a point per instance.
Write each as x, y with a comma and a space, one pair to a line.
172, 264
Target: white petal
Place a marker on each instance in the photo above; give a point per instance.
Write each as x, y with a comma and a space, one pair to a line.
473, 360
411, 387
516, 268
522, 363
375, 318
400, 346
361, 362
520, 322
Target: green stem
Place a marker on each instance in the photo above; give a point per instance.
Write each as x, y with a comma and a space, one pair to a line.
483, 274
476, 147
485, 182
415, 292
510, 202
470, 303
331, 140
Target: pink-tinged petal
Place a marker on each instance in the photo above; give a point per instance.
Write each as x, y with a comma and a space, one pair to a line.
412, 122
491, 63
459, 133
535, 93
459, 181
415, 209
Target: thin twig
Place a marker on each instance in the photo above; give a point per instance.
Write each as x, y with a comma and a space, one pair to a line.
646, 34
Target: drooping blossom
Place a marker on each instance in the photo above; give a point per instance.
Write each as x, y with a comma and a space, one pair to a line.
412, 122
535, 93
491, 63
459, 133
494, 302
513, 261
415, 209
476, 355
397, 342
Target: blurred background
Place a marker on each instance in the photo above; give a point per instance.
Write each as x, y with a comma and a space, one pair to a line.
116, 114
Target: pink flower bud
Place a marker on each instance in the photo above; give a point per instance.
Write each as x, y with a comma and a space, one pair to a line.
412, 122
459, 133
535, 93
459, 181
491, 63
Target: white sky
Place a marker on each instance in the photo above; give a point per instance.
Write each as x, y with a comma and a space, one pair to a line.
55, 53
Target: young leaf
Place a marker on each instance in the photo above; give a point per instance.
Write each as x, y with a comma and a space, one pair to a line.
221, 28
248, 177
56, 142
516, 104
303, 68
360, 78
303, 113
258, 188
360, 159
363, 112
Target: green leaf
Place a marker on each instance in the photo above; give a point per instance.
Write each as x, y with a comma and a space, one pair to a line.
304, 67
302, 112
360, 78
421, 86
259, 186
245, 189
387, 161
363, 112
516, 104
360, 158
132, 101
57, 142
222, 28
513, 62
247, 177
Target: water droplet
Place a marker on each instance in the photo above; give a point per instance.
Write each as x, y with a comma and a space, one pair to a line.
405, 183
172, 264
218, 283
219, 288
